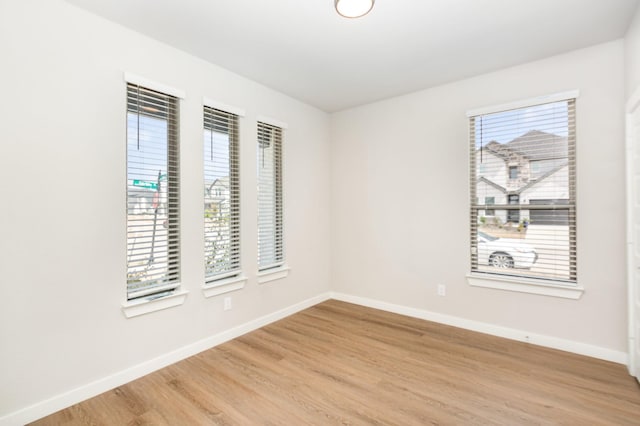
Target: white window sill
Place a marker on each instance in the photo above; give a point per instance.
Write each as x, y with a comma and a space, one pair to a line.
526, 285
144, 306
273, 274
224, 285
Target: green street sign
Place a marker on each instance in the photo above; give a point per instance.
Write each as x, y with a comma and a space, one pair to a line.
145, 184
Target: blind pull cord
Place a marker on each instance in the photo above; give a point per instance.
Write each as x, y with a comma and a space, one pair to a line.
211, 140
481, 140
138, 118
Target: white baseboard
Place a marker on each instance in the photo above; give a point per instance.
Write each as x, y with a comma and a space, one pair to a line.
494, 330
58, 402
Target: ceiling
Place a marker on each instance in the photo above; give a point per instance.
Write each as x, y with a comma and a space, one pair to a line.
304, 49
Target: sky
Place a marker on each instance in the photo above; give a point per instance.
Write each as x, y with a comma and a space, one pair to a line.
146, 147
216, 155
147, 150
505, 126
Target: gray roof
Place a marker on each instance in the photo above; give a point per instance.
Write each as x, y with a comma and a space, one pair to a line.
495, 185
222, 182
497, 149
529, 145
533, 145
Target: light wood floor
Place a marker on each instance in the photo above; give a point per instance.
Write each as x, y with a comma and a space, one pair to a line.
338, 363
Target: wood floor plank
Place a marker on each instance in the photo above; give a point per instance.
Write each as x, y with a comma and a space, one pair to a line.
338, 363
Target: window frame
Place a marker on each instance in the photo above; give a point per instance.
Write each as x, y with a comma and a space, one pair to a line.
227, 124
173, 294
232, 280
527, 284
270, 202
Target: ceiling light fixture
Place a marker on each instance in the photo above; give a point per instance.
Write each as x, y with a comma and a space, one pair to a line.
354, 8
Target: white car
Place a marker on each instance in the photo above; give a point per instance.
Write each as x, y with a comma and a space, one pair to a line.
505, 252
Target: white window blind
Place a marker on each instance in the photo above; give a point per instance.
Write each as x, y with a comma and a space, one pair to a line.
523, 192
221, 194
270, 224
153, 258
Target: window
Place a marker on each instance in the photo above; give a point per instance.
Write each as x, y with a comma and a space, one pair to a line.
270, 224
534, 234
153, 255
513, 216
221, 195
489, 201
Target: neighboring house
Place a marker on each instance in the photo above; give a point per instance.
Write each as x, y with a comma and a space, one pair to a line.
217, 194
531, 169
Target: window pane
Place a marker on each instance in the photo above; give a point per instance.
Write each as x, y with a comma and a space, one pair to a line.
524, 163
221, 194
152, 210
270, 224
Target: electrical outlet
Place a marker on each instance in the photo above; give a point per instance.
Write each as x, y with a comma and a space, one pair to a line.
442, 290
227, 303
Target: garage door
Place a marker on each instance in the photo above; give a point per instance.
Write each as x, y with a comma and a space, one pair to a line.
551, 216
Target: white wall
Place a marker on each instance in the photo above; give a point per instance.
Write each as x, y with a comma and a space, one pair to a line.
632, 56
388, 196
63, 182
400, 217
